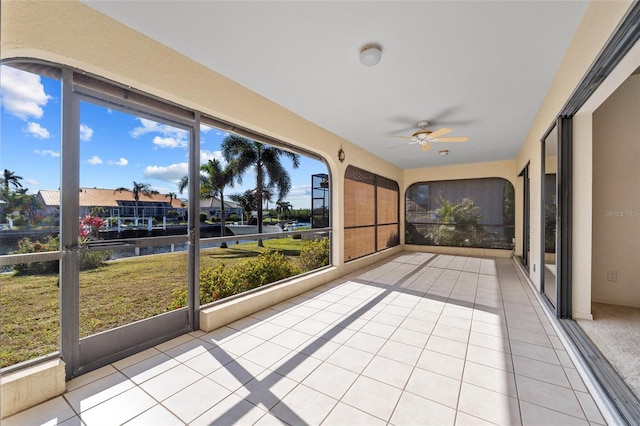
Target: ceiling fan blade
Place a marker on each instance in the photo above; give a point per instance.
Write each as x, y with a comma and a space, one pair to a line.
453, 139
439, 132
398, 145
426, 146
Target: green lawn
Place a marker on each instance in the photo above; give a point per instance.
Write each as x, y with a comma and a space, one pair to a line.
115, 294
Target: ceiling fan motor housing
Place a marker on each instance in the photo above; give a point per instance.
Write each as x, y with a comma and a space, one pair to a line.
421, 136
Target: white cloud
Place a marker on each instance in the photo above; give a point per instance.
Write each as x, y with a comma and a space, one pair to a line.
210, 155
22, 93
300, 197
86, 132
37, 131
167, 132
171, 173
148, 126
169, 142
32, 182
47, 152
121, 162
94, 160
300, 191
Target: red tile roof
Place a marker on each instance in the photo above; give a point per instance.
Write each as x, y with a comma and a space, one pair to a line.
103, 197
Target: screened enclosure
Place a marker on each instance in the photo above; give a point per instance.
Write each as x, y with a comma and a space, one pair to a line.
461, 213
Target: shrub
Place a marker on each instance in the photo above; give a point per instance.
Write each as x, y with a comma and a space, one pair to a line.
25, 245
203, 217
19, 221
458, 224
93, 259
88, 260
224, 281
314, 254
268, 267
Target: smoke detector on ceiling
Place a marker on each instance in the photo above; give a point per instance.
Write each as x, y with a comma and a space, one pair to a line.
370, 54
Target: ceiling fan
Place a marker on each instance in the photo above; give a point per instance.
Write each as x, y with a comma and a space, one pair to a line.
423, 137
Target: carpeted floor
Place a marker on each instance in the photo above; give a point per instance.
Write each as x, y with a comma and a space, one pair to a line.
616, 331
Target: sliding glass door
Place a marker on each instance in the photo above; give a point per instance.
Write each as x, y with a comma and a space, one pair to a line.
555, 276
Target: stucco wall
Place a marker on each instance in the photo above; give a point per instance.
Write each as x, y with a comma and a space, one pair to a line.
616, 196
598, 23
74, 34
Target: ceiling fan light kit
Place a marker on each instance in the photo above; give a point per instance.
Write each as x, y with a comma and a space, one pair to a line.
423, 137
370, 55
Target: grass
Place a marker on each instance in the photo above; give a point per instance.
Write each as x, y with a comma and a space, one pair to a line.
120, 292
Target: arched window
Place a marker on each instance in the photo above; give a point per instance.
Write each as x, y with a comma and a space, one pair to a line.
461, 213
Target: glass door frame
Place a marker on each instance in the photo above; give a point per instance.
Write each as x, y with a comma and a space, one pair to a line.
91, 352
563, 191
526, 216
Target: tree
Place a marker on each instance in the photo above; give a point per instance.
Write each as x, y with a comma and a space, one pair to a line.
458, 222
171, 212
283, 207
138, 188
245, 154
182, 185
247, 202
12, 199
10, 178
213, 180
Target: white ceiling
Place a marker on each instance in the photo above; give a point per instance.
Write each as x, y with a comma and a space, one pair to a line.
481, 68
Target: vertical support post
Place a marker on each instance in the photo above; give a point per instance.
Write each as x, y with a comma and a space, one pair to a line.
194, 226
69, 214
543, 189
565, 211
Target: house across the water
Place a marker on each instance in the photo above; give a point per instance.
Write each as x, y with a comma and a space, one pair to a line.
116, 203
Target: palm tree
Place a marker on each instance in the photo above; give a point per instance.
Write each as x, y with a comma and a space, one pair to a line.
247, 202
182, 185
283, 207
171, 196
10, 178
213, 180
138, 188
245, 154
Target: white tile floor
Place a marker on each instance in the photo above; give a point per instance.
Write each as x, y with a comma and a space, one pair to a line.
420, 339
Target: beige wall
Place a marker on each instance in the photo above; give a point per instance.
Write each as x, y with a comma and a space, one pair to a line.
616, 196
598, 23
73, 34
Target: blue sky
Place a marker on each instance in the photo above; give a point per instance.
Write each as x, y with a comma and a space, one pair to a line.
116, 148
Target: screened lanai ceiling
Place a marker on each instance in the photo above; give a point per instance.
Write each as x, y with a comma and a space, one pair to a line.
481, 68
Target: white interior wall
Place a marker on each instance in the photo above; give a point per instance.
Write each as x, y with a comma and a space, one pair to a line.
616, 197
583, 209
